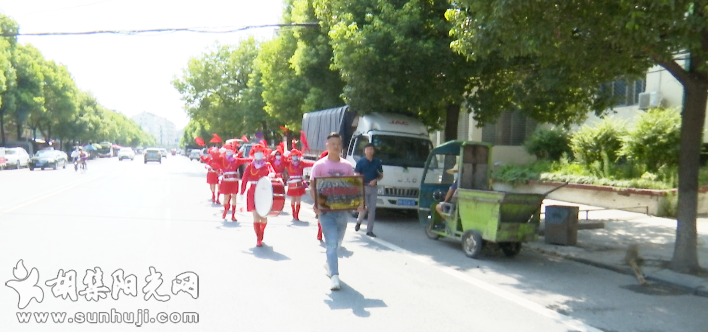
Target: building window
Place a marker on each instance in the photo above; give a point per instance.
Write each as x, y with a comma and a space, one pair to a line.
511, 128
625, 92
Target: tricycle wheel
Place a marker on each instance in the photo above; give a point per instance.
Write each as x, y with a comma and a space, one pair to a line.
429, 232
472, 244
511, 249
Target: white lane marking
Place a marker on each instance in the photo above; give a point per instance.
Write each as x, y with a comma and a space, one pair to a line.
535, 307
52, 194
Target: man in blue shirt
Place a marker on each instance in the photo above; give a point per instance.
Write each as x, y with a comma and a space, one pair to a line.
372, 170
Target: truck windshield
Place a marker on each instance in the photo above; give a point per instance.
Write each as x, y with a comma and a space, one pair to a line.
401, 150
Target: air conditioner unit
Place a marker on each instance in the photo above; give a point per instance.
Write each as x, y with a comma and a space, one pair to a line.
649, 100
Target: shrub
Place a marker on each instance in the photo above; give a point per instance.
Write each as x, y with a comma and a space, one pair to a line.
548, 144
599, 144
655, 139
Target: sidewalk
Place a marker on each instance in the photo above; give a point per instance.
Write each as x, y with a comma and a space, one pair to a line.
606, 247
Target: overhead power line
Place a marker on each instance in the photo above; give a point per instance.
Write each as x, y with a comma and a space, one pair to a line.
135, 32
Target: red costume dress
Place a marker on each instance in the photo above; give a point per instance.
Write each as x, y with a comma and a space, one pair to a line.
253, 172
296, 185
279, 166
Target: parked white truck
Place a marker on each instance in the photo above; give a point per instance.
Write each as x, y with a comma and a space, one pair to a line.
402, 143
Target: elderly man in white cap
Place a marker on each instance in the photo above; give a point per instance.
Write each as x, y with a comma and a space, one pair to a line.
444, 207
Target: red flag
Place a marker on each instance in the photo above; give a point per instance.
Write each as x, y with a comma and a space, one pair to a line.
199, 141
303, 139
215, 139
244, 138
285, 130
264, 142
281, 147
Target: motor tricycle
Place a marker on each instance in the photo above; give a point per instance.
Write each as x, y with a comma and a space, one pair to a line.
476, 215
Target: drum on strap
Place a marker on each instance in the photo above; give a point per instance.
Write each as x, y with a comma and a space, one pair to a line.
269, 198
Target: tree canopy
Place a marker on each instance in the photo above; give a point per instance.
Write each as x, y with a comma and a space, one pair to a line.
549, 59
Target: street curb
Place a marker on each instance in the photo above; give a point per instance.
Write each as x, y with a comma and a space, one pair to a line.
698, 291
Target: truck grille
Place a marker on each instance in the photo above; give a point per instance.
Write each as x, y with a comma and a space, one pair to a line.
401, 192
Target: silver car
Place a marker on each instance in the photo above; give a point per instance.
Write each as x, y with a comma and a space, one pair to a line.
16, 157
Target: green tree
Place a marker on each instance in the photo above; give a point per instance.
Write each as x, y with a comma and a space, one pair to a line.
7, 71
296, 68
217, 89
60, 103
550, 58
396, 56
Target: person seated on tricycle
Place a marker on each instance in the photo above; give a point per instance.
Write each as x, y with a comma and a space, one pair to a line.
446, 208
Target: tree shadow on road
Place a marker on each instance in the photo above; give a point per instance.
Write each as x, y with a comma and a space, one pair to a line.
267, 252
350, 298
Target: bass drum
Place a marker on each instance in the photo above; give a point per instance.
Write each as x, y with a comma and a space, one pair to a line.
269, 198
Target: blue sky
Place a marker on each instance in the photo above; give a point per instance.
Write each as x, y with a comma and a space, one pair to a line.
132, 73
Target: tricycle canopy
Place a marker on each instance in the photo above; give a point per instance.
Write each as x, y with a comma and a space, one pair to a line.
473, 170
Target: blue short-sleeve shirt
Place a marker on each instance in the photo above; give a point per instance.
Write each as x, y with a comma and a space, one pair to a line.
369, 169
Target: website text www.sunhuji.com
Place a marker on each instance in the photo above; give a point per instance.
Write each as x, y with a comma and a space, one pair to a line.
142, 316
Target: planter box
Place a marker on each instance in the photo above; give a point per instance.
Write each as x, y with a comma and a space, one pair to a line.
655, 202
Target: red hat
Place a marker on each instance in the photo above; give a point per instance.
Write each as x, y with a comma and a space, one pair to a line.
258, 148
294, 152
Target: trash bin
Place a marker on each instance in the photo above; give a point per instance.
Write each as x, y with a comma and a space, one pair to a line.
561, 225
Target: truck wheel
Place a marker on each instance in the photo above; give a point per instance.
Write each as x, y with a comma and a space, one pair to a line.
511, 249
472, 244
429, 232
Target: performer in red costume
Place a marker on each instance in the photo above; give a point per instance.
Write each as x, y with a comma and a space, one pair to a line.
296, 185
253, 172
229, 183
278, 162
213, 166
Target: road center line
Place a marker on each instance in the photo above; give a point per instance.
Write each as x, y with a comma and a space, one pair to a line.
535, 307
51, 194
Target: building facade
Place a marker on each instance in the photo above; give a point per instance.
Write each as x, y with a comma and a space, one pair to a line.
164, 130
658, 89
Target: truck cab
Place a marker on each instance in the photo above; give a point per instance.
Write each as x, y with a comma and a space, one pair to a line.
401, 142
403, 146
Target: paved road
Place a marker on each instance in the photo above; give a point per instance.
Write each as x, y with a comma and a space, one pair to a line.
130, 216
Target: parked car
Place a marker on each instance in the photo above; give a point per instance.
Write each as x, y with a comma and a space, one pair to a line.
48, 158
153, 154
126, 153
3, 161
163, 152
139, 150
195, 155
16, 157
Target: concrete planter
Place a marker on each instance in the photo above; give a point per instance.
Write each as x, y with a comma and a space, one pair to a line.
653, 202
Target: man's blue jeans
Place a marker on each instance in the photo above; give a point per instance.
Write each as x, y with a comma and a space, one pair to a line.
333, 226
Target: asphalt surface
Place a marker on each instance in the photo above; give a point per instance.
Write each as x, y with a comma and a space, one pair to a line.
133, 216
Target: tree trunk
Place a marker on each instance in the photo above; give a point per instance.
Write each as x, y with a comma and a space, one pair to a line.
19, 130
2, 128
685, 257
451, 120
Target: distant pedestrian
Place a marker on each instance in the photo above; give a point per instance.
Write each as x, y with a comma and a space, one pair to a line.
334, 223
372, 170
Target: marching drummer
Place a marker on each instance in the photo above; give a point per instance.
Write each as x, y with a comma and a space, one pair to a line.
229, 182
278, 163
213, 166
253, 172
296, 185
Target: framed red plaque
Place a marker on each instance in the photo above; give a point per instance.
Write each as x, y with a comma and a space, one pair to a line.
339, 193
